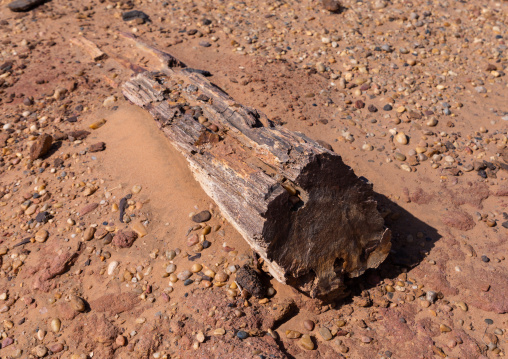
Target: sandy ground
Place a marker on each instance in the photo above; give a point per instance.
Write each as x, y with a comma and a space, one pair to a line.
437, 160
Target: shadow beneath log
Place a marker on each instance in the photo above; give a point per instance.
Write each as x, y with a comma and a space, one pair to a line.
412, 241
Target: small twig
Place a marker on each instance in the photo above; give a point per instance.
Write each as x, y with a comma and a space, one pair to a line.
24, 241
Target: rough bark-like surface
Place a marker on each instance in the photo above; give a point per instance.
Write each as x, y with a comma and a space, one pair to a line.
295, 202
248, 279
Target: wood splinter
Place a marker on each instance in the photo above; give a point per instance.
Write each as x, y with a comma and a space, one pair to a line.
91, 49
305, 212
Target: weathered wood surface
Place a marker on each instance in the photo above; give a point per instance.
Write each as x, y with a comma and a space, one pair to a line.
89, 47
296, 203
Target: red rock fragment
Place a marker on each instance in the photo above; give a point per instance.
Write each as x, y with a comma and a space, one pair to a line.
115, 303
97, 147
459, 220
88, 208
51, 268
124, 239
41, 146
78, 135
66, 312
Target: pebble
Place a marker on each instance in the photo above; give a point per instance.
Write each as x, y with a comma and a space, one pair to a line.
111, 267
196, 268
41, 334
308, 325
192, 240
6, 342
41, 236
184, 275
451, 344
121, 340
201, 217
221, 277
139, 228
367, 147
42, 217
399, 156
219, 331
444, 328
293, 334
401, 138
490, 223
242, 335
431, 296
425, 303
171, 255
109, 101
40, 351
332, 5
56, 348
306, 342
171, 268
432, 122
325, 333
366, 339
89, 233
77, 303
24, 5
55, 325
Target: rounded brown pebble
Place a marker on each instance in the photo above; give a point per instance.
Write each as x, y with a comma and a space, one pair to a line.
491, 223
221, 277
308, 325
77, 303
202, 216
332, 5
120, 340
56, 348
41, 236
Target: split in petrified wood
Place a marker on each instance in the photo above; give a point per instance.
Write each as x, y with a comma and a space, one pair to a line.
306, 213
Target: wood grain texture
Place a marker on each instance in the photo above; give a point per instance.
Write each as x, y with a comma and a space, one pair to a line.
306, 213
89, 47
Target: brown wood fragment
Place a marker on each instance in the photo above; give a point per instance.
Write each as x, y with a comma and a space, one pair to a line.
305, 212
89, 47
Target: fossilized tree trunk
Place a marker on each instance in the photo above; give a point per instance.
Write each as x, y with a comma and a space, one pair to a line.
305, 212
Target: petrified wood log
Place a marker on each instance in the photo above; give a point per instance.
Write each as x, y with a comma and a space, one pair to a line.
306, 213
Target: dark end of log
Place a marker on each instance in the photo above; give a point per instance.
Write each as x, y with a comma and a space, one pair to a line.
330, 232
